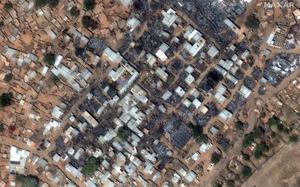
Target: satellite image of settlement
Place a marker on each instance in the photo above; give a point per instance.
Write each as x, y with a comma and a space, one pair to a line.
149, 93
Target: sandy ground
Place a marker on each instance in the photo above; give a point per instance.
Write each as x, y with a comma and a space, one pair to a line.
282, 170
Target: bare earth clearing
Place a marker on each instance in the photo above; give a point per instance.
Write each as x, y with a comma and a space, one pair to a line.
283, 170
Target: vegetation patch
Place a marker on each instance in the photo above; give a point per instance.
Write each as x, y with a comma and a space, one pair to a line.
8, 77
124, 133
239, 125
88, 22
248, 139
8, 6
49, 59
274, 121
260, 149
90, 166
215, 158
198, 134
2, 127
27, 181
53, 3
246, 157
42, 3
89, 4
252, 22
247, 171
6, 99
74, 11
293, 138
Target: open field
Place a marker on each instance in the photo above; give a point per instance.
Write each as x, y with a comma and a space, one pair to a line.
282, 170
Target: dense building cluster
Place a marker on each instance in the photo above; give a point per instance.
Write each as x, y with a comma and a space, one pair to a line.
132, 93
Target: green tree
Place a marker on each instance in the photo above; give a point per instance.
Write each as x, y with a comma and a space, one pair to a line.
294, 138
6, 99
41, 3
75, 12
259, 150
247, 171
8, 77
239, 125
215, 158
198, 134
89, 4
88, 22
274, 121
49, 59
27, 181
8, 6
90, 166
2, 128
248, 139
245, 156
53, 3
252, 22
124, 132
